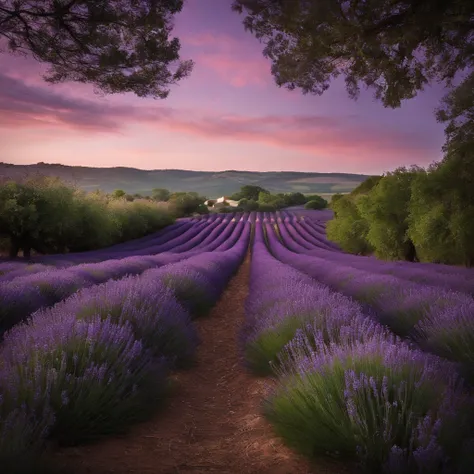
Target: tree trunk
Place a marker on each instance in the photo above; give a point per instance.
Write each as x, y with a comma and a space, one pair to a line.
410, 254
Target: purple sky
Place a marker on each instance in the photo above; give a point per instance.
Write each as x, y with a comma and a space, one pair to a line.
228, 115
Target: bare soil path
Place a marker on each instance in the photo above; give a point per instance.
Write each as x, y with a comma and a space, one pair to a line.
213, 422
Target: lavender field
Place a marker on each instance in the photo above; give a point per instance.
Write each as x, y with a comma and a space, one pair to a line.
366, 361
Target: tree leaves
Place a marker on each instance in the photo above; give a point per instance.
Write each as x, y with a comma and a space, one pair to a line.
394, 47
116, 45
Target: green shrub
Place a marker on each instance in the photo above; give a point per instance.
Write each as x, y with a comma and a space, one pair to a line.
316, 204
361, 403
46, 215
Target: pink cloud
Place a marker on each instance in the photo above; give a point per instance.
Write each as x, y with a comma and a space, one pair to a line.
219, 41
23, 105
237, 62
239, 72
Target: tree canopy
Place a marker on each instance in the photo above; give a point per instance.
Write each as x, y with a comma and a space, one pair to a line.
116, 45
249, 191
394, 47
160, 194
411, 214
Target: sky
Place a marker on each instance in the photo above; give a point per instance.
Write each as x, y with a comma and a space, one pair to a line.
229, 114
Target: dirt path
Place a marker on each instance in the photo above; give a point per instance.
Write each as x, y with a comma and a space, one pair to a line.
213, 421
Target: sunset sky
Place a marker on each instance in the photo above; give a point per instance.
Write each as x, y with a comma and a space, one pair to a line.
228, 115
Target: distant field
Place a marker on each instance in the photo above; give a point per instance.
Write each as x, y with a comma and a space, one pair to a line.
208, 183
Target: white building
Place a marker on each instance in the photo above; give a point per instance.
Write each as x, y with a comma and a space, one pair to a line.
229, 201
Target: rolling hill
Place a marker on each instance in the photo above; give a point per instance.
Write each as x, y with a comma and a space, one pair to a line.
207, 183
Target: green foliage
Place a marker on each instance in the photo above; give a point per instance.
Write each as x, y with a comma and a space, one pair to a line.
265, 207
412, 214
262, 352
338, 407
334, 199
185, 204
190, 293
316, 202
349, 229
366, 185
45, 215
373, 43
248, 205
120, 46
396, 48
441, 221
29, 214
386, 210
118, 194
457, 110
137, 218
160, 194
248, 192
294, 199
202, 209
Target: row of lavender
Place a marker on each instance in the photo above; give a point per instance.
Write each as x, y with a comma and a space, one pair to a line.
24, 291
345, 385
439, 320
153, 244
98, 360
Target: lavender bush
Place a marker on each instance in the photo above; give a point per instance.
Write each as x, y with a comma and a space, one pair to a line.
157, 319
449, 331
23, 428
273, 320
369, 400
95, 375
400, 304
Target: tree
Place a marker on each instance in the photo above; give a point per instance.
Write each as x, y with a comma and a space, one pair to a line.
334, 199
248, 205
160, 194
366, 185
349, 229
267, 207
185, 204
294, 199
275, 201
249, 192
394, 47
118, 45
36, 214
322, 203
457, 110
316, 204
441, 221
118, 194
386, 209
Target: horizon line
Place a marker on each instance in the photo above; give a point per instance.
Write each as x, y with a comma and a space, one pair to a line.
41, 163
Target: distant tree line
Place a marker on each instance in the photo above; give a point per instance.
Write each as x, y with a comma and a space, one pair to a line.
180, 203
45, 215
255, 198
411, 214
249, 198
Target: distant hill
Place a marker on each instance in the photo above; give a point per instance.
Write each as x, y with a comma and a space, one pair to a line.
208, 183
